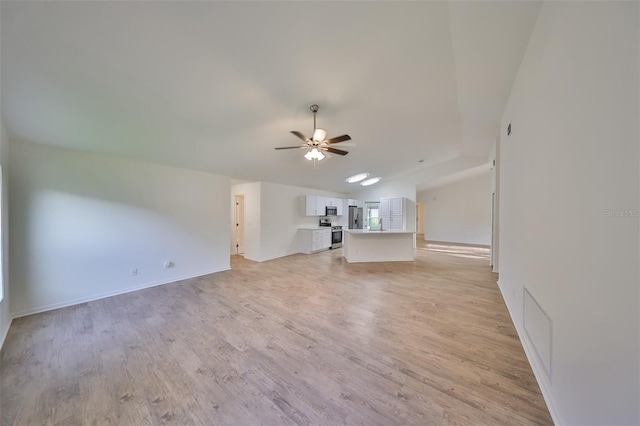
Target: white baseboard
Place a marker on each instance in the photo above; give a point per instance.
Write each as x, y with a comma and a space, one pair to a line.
456, 243
536, 365
268, 258
72, 302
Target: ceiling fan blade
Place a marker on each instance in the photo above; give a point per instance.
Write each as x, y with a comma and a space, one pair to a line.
301, 136
335, 150
338, 139
292, 147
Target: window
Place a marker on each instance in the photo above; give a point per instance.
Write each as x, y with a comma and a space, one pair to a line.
373, 216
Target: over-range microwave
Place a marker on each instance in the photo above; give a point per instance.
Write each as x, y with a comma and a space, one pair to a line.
332, 211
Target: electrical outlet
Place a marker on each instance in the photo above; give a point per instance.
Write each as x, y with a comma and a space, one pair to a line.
134, 272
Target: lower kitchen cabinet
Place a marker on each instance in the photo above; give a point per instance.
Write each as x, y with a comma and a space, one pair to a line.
314, 240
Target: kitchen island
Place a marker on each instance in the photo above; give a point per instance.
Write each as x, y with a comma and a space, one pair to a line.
362, 245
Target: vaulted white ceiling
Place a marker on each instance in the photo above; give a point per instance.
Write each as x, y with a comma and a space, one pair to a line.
215, 86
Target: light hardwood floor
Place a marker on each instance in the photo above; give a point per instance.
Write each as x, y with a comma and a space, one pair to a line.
298, 340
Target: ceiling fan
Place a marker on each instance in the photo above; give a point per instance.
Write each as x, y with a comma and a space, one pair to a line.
318, 143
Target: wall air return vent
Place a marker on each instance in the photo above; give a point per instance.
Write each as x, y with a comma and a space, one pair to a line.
537, 325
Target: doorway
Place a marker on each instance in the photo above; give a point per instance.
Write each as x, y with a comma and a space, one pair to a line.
239, 222
420, 218
493, 230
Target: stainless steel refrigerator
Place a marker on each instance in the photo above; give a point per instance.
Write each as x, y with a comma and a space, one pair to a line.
356, 220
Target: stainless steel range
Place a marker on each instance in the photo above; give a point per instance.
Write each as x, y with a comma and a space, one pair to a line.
336, 237
336, 232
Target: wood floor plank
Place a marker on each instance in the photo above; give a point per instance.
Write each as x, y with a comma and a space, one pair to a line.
305, 339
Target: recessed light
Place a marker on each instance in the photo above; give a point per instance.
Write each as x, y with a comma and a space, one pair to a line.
357, 178
371, 181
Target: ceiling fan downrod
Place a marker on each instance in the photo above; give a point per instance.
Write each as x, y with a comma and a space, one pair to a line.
314, 109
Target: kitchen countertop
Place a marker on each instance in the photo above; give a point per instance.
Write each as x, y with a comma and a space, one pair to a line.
366, 231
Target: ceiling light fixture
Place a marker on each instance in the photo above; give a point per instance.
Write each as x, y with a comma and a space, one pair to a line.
314, 155
370, 181
357, 178
319, 135
318, 144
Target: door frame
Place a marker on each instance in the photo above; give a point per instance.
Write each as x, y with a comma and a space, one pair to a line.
238, 220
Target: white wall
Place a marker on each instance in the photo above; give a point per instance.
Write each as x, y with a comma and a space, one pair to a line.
81, 222
459, 212
272, 218
569, 168
5, 313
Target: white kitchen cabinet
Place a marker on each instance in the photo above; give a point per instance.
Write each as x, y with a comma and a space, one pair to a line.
314, 240
384, 208
396, 223
392, 213
308, 205
352, 202
397, 206
314, 205
326, 238
322, 206
337, 203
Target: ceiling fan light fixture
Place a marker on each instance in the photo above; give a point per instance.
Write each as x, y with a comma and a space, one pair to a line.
318, 142
319, 135
314, 154
357, 178
370, 181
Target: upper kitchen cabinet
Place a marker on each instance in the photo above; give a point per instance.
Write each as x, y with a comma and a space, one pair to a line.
352, 202
393, 213
313, 205
310, 205
391, 206
337, 203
